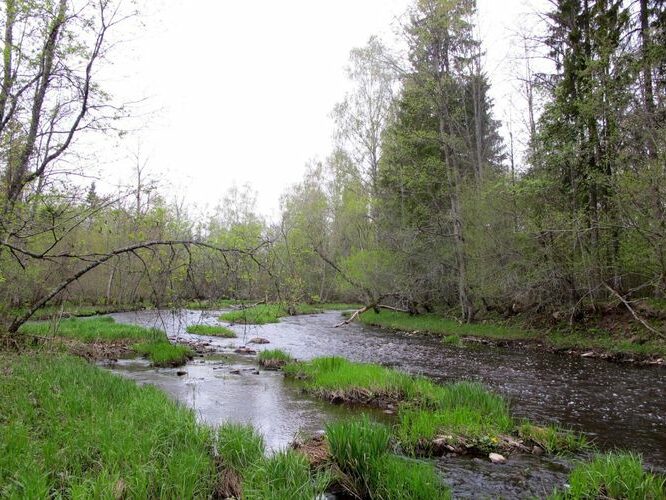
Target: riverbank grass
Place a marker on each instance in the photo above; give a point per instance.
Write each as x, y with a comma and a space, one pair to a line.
149, 342
564, 338
613, 475
431, 417
247, 473
360, 449
211, 330
433, 323
274, 358
72, 430
102, 329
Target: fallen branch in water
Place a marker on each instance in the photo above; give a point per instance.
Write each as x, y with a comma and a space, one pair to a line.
633, 313
240, 307
360, 311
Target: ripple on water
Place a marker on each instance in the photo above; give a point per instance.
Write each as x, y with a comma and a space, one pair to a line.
618, 405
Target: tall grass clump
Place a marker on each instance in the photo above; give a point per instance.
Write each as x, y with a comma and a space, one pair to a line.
360, 449
211, 330
260, 314
71, 430
274, 358
463, 409
327, 375
102, 329
164, 353
284, 476
239, 445
613, 475
553, 439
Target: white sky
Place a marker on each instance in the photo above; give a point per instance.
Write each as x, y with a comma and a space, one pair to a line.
242, 91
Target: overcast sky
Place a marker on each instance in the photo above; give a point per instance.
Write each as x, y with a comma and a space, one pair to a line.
241, 92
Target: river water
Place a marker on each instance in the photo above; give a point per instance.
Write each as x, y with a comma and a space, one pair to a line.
617, 406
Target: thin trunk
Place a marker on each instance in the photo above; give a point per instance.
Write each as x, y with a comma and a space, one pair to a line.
453, 174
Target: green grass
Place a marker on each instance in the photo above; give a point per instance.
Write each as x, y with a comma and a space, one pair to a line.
553, 439
338, 306
591, 338
102, 329
239, 445
613, 475
466, 412
361, 450
71, 309
335, 375
212, 330
328, 375
257, 315
444, 326
604, 341
274, 358
262, 314
164, 353
69, 429
453, 340
284, 476
213, 303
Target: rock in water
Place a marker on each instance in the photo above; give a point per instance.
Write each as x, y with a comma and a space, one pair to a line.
496, 458
258, 340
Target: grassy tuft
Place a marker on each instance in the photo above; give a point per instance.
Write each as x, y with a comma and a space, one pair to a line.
262, 314
453, 340
284, 476
102, 329
211, 330
613, 475
274, 358
72, 430
239, 445
164, 353
464, 409
553, 439
360, 449
258, 315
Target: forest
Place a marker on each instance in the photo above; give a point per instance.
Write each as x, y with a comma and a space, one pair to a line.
427, 215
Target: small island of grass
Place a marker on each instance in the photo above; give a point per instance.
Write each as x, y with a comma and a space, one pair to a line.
211, 330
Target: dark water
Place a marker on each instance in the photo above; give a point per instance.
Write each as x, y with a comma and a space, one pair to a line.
615, 405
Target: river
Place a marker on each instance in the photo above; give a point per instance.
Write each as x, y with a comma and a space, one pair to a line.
617, 406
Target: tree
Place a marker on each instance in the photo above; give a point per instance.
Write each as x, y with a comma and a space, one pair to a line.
362, 116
